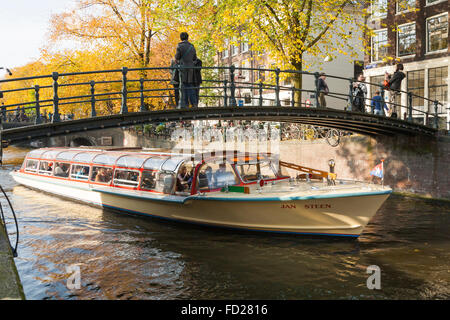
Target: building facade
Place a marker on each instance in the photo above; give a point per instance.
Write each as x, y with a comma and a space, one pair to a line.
243, 56
414, 33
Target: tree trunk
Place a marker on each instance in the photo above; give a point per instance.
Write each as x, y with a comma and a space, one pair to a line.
298, 84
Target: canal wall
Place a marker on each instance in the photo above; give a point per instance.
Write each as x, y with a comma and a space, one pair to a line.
415, 165
10, 285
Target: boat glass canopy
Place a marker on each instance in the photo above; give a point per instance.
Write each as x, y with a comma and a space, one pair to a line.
155, 163
50, 154
172, 163
129, 161
66, 155
105, 158
85, 157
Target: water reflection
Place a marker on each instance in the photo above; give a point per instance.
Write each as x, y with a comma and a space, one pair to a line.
127, 257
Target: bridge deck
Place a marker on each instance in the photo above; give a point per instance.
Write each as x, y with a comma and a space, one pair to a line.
367, 124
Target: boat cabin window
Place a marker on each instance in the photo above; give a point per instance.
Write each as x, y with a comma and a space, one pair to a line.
31, 165
62, 169
148, 180
101, 174
126, 178
80, 172
46, 167
166, 182
158, 181
255, 171
216, 175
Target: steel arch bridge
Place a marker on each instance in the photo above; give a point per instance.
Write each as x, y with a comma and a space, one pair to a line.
219, 87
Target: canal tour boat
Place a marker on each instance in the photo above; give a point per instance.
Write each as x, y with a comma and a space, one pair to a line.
245, 191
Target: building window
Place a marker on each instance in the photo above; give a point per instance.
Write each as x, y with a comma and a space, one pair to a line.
244, 47
234, 48
379, 45
438, 86
406, 37
376, 84
379, 9
225, 52
434, 1
437, 33
416, 85
405, 5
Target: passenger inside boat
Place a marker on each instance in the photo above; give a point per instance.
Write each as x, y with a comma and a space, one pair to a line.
184, 179
102, 174
148, 180
62, 169
46, 167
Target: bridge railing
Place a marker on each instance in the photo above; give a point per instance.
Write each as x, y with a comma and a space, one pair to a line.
146, 89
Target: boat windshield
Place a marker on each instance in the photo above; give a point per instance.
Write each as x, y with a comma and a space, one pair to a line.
216, 175
66, 155
251, 172
51, 154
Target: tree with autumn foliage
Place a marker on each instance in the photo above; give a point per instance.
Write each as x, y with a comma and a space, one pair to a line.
288, 30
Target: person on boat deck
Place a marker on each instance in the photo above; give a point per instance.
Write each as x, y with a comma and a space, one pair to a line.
183, 179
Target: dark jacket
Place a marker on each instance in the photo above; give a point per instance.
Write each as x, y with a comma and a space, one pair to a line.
198, 72
185, 56
174, 74
322, 86
396, 80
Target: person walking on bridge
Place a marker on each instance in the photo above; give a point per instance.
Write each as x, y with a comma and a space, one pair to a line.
185, 57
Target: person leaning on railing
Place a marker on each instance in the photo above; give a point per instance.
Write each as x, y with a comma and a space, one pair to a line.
394, 85
185, 56
323, 90
378, 103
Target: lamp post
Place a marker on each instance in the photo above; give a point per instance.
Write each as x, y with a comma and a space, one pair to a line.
7, 70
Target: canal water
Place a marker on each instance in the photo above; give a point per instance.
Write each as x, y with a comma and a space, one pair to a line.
127, 257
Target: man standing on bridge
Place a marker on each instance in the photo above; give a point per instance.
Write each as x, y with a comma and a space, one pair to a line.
185, 57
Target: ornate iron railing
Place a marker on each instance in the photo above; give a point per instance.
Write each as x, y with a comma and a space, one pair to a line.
220, 87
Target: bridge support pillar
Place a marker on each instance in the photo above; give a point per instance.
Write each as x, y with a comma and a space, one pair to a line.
55, 117
38, 119
124, 107
93, 112
232, 87
410, 99
143, 107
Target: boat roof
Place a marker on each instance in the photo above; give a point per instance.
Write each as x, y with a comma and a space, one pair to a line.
168, 160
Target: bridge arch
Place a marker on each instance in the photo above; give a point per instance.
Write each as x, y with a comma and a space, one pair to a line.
81, 141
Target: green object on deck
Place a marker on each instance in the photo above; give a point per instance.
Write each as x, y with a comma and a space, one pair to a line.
238, 189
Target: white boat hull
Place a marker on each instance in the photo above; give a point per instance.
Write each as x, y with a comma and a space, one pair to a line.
339, 214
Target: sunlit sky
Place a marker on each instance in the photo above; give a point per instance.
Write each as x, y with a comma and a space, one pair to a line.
24, 26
